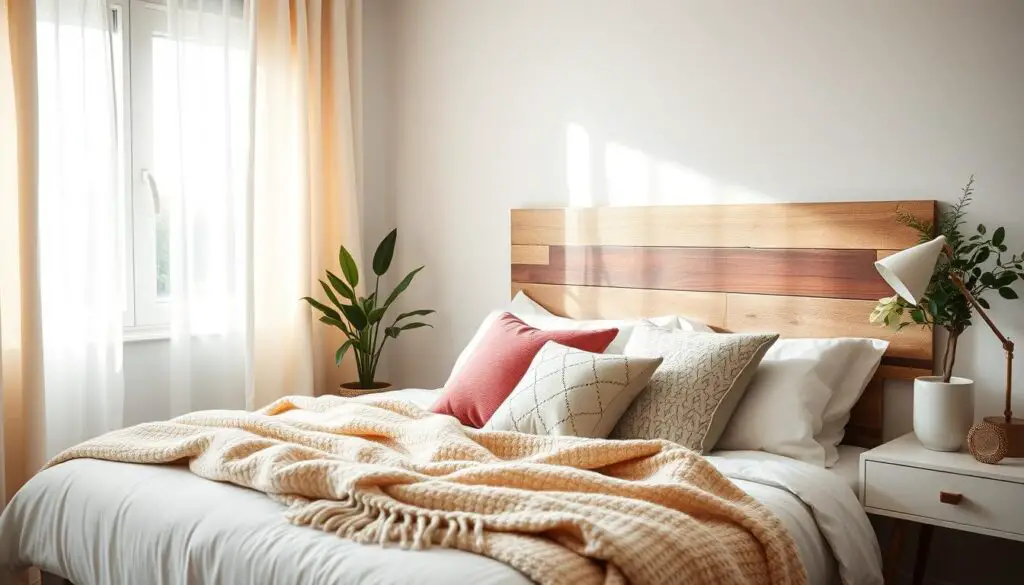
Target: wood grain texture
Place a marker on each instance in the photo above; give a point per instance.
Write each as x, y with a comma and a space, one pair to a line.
841, 274
591, 302
530, 255
810, 317
853, 226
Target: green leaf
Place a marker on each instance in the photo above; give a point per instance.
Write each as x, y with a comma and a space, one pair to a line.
334, 323
340, 354
933, 307
982, 255
917, 315
322, 307
401, 287
418, 313
355, 316
340, 286
415, 325
988, 279
981, 228
367, 303
998, 236
385, 252
392, 332
1008, 293
983, 303
1006, 279
375, 315
348, 266
330, 294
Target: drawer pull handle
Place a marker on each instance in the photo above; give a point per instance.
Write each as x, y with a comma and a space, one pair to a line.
950, 498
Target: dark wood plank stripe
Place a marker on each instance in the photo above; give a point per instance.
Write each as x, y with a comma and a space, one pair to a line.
907, 362
839, 274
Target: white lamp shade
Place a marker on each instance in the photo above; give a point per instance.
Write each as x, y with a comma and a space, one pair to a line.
909, 272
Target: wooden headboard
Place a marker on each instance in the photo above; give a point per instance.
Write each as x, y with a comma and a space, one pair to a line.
799, 269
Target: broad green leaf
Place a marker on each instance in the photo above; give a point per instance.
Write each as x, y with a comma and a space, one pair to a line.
983, 303
355, 316
385, 252
375, 315
988, 279
933, 307
982, 255
1008, 293
340, 354
917, 315
322, 307
340, 286
998, 236
981, 228
392, 332
401, 286
348, 266
330, 294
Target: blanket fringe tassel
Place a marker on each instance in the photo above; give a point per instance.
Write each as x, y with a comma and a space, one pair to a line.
361, 522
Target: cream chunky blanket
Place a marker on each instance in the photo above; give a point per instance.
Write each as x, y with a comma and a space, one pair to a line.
562, 510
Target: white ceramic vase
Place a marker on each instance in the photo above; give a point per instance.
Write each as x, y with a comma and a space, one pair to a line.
943, 412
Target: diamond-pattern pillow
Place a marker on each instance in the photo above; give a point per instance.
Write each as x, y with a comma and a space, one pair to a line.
568, 391
692, 396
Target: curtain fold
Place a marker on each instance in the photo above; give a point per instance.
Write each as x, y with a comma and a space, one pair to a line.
306, 186
262, 193
22, 439
81, 222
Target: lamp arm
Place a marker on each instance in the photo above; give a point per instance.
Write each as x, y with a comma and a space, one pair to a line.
1007, 344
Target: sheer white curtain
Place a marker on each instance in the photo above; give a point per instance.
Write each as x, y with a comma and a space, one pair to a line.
262, 184
81, 222
202, 141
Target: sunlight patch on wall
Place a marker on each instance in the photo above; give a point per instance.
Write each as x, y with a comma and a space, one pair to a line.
628, 176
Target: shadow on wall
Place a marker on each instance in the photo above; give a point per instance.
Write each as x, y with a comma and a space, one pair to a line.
633, 177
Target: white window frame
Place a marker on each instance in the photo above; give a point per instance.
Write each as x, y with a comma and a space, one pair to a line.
147, 316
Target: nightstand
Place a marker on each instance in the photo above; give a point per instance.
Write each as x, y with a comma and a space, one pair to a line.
903, 480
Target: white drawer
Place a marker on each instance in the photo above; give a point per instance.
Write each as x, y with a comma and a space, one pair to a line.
986, 503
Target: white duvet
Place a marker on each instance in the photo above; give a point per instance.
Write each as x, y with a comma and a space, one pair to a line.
102, 523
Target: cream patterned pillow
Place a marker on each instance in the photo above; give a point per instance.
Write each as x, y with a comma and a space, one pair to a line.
691, 397
568, 391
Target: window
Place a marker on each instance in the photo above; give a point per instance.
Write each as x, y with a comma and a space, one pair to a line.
154, 115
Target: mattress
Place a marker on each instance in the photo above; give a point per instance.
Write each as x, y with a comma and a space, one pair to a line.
99, 523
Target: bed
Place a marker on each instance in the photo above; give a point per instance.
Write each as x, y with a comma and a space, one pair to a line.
802, 270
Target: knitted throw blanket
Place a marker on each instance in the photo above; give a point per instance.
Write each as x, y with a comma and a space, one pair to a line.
562, 510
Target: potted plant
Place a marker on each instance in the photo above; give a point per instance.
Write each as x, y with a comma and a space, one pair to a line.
360, 318
944, 405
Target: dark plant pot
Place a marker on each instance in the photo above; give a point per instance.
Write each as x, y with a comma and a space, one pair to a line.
350, 389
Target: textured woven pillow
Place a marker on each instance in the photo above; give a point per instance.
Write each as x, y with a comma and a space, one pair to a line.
568, 391
691, 397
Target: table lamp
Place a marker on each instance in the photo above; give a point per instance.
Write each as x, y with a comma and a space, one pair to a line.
908, 273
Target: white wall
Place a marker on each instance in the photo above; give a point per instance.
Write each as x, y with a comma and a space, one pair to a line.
504, 104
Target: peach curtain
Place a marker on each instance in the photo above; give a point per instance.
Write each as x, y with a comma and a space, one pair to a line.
306, 183
21, 370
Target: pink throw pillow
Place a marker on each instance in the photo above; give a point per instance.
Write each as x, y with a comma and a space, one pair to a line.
500, 361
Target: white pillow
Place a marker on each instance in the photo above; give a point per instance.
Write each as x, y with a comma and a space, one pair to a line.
785, 410
537, 316
859, 369
568, 391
